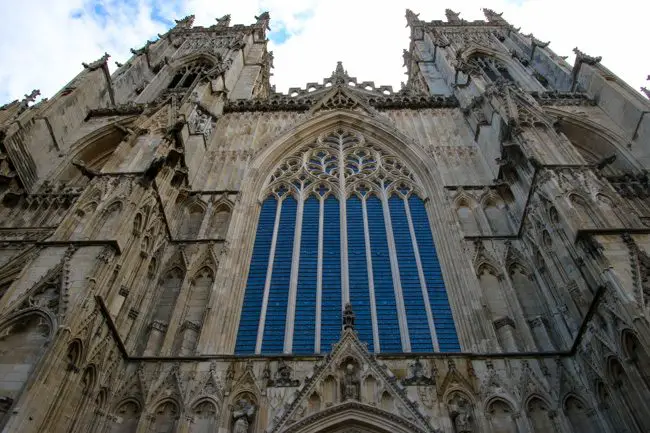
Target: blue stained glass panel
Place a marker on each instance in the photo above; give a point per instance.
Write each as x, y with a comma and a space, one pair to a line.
331, 309
252, 306
389, 332
305, 322
358, 271
416, 316
276, 310
442, 316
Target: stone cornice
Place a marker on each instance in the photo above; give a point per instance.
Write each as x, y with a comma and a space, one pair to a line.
381, 102
118, 110
563, 98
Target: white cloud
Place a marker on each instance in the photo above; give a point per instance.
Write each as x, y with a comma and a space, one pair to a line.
42, 45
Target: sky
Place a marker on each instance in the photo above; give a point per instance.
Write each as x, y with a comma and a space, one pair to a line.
44, 42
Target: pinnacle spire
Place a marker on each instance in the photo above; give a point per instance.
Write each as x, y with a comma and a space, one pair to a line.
340, 75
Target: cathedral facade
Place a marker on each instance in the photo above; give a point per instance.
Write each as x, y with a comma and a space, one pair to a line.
185, 250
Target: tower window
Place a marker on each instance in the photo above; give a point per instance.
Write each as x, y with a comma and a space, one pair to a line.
185, 77
491, 68
344, 222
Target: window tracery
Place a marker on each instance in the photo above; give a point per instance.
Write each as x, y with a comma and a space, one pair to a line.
186, 75
343, 220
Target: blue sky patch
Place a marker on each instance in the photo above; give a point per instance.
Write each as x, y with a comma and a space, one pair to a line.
304, 15
279, 35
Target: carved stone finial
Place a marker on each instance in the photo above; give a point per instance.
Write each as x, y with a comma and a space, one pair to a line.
411, 18
348, 317
406, 55
30, 98
97, 63
452, 17
185, 23
224, 21
585, 58
263, 20
340, 75
645, 91
492, 16
539, 43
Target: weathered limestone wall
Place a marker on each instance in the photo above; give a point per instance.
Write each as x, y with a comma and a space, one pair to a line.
129, 206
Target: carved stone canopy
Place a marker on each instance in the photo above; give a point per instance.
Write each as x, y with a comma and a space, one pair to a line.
283, 377
417, 376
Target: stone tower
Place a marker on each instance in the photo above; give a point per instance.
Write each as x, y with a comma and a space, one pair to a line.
185, 250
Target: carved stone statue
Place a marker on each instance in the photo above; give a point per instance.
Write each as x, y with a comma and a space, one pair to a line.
350, 383
348, 317
460, 411
242, 414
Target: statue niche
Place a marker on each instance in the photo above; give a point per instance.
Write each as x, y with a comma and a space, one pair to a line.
460, 412
350, 386
243, 412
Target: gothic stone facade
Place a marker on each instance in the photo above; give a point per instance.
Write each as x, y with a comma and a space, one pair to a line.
130, 203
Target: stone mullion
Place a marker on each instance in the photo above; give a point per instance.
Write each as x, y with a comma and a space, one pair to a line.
207, 216
397, 284
137, 295
371, 278
319, 276
267, 283
134, 290
293, 284
423, 283
201, 338
516, 313
343, 223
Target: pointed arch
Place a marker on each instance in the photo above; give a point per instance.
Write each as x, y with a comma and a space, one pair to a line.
128, 411
538, 410
220, 219
205, 413
353, 414
92, 151
579, 414
515, 70
171, 282
501, 414
107, 223
467, 210
23, 339
194, 311
165, 415
195, 57
595, 142
404, 147
409, 220
190, 211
